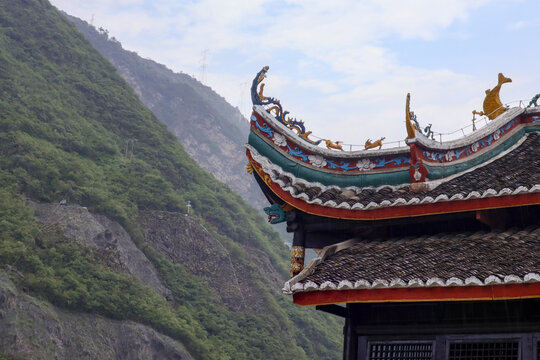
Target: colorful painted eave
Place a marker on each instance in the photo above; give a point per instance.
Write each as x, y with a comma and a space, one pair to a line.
386, 201
330, 167
422, 160
389, 183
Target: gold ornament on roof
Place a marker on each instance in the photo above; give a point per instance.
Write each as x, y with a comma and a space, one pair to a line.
287, 207
492, 103
273, 108
298, 254
373, 144
333, 145
261, 96
408, 115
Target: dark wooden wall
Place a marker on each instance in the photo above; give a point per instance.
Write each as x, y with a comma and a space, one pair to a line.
440, 326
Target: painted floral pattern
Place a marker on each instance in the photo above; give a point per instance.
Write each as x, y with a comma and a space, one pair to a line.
365, 165
317, 160
279, 139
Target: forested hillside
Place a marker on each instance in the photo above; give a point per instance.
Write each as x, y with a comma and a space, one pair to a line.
86, 171
210, 129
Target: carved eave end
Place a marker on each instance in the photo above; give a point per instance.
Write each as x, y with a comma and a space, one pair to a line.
256, 97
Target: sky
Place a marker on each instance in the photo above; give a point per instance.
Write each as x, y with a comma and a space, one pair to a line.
343, 67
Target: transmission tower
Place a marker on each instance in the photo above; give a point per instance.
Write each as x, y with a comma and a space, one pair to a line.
204, 62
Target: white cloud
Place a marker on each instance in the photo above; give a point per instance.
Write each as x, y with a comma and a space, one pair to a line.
519, 25
331, 62
324, 87
377, 109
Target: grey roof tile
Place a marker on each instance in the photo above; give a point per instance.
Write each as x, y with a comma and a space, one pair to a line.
460, 255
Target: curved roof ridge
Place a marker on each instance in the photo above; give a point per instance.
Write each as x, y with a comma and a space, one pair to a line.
292, 136
492, 126
366, 198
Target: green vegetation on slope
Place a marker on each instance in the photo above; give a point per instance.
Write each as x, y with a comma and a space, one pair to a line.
65, 120
209, 127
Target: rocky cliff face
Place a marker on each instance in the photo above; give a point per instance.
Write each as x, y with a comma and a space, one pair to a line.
102, 234
31, 326
33, 329
184, 241
179, 238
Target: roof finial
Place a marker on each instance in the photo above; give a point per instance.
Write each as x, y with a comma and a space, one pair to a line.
408, 123
492, 103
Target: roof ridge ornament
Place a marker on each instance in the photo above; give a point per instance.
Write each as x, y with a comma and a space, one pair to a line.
408, 115
333, 145
534, 101
373, 144
412, 124
492, 103
276, 109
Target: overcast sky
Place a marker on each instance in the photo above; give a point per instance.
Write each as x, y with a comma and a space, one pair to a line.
344, 67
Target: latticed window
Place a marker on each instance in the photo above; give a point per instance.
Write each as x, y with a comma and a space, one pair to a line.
400, 351
484, 350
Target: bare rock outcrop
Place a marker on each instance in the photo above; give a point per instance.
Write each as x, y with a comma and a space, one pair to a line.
101, 233
33, 329
184, 241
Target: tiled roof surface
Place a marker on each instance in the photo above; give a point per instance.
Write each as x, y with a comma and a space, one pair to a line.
450, 259
515, 172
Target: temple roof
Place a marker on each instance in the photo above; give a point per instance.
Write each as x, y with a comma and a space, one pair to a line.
514, 171
480, 180
453, 260
494, 166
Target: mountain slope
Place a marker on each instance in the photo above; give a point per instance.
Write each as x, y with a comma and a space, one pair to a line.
71, 129
211, 130
60, 334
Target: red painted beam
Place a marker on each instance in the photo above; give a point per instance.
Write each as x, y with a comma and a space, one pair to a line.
419, 294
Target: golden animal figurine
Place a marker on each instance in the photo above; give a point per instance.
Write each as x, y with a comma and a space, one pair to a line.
408, 123
374, 144
492, 103
332, 145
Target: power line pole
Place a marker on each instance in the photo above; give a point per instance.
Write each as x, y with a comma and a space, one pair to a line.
204, 63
